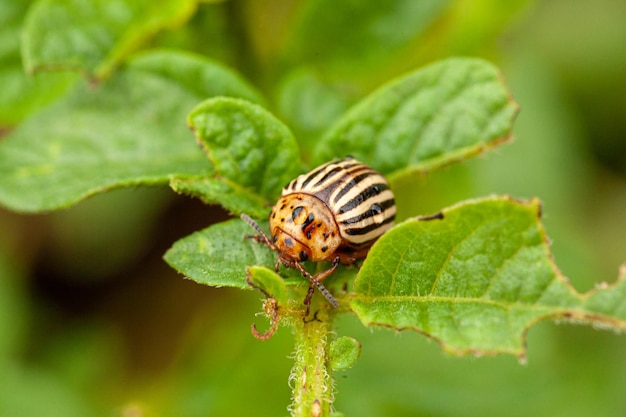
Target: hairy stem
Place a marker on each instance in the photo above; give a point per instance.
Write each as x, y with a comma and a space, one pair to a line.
311, 378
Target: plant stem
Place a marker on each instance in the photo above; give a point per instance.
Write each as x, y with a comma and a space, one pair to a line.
311, 377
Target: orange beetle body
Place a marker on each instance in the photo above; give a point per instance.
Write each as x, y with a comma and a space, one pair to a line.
303, 228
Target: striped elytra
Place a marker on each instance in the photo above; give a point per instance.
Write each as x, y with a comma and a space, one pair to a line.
337, 209
334, 213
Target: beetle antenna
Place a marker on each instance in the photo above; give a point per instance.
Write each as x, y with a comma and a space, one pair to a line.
256, 227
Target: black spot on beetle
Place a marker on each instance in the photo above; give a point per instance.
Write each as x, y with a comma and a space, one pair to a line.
326, 235
308, 234
324, 248
303, 256
274, 238
296, 212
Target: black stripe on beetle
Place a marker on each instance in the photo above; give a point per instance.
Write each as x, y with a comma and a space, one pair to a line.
353, 182
375, 209
371, 191
367, 229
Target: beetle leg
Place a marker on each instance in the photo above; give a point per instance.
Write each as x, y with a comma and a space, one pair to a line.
321, 276
307, 299
314, 281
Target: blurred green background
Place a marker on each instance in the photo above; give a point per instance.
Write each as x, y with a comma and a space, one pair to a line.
92, 321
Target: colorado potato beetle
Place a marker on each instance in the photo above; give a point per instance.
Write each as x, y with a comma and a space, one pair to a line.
334, 213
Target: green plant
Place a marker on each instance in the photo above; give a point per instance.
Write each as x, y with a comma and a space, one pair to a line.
473, 277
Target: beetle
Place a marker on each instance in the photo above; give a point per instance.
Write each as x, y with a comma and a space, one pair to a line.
333, 213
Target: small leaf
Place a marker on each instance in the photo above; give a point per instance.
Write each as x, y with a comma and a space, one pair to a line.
270, 282
344, 353
94, 36
475, 278
253, 153
445, 112
219, 254
129, 131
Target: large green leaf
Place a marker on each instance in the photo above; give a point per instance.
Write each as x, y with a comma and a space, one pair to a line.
94, 36
253, 153
130, 130
442, 113
475, 278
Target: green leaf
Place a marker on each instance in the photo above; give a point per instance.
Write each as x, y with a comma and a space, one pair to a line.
219, 254
128, 131
196, 73
21, 94
221, 191
270, 282
94, 36
445, 112
344, 353
475, 278
253, 153
378, 32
